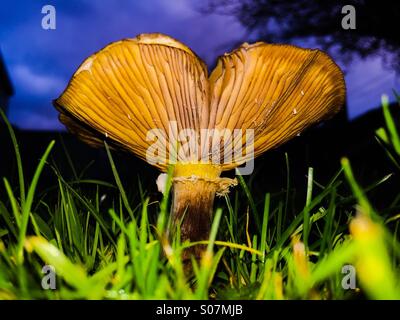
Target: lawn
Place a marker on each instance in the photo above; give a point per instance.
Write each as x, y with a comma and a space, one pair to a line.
69, 242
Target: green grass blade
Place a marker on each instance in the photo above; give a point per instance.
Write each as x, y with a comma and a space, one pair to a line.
306, 222
118, 181
26, 208
394, 136
251, 200
13, 201
265, 225
358, 192
17, 157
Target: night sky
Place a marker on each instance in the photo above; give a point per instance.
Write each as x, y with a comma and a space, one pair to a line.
40, 62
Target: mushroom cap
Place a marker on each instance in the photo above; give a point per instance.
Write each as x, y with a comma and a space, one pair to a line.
154, 83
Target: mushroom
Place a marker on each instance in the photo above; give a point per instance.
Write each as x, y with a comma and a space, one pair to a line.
142, 93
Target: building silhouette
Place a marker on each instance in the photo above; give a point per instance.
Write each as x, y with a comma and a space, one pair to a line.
6, 88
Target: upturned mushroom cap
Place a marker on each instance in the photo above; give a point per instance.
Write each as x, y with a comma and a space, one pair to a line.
133, 86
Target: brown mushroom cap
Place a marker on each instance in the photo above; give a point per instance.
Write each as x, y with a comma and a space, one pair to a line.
136, 85
277, 90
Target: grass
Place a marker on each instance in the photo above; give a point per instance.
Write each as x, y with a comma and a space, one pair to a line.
119, 250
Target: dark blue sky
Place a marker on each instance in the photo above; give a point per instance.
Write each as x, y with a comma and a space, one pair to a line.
40, 62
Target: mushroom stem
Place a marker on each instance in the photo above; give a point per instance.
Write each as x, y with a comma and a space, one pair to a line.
192, 210
194, 189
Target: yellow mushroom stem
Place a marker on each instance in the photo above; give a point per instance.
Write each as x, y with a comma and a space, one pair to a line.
194, 189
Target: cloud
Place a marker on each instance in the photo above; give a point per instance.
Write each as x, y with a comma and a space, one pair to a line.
35, 83
181, 8
36, 121
366, 81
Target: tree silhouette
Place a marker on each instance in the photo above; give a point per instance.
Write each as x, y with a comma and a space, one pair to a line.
377, 24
